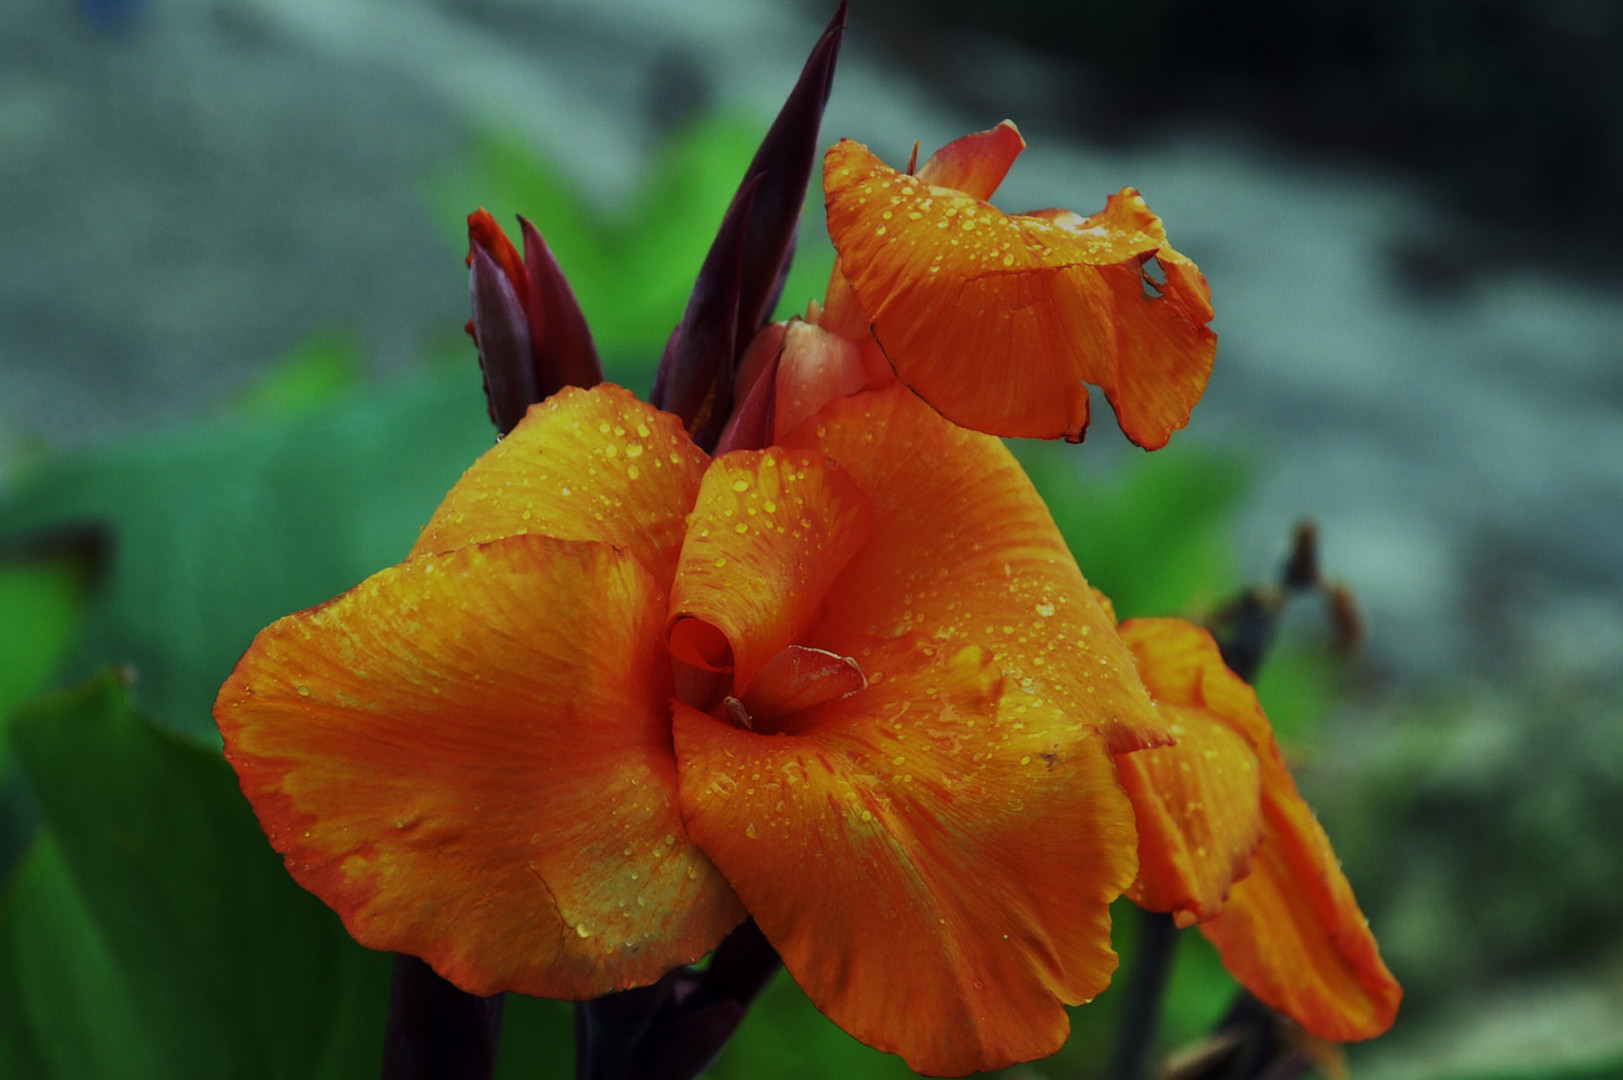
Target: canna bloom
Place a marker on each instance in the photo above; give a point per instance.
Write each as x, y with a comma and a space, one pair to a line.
998, 320
621, 694
1226, 842
799, 645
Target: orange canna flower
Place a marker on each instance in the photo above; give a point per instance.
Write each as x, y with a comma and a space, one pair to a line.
1226, 841
997, 320
620, 694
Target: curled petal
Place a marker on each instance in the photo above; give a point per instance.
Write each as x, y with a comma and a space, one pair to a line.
464, 776
1291, 930
964, 551
998, 320
583, 465
975, 164
935, 874
770, 530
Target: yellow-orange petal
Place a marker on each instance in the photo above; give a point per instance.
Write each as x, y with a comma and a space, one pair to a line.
468, 757
1291, 931
997, 320
1199, 812
768, 533
936, 876
975, 164
582, 465
963, 551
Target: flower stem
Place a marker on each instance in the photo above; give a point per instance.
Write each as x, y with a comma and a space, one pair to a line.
435, 1031
1152, 963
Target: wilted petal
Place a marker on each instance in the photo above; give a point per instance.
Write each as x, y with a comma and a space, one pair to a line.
1291, 930
934, 869
998, 320
583, 465
467, 777
1198, 803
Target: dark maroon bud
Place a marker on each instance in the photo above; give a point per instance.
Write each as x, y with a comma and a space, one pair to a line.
750, 256
560, 338
751, 427
502, 331
695, 377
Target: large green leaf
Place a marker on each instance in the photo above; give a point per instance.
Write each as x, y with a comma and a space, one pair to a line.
44, 583
153, 908
1153, 536
218, 530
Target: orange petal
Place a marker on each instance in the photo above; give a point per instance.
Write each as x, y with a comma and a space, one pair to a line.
1198, 803
1293, 935
468, 757
769, 531
975, 164
936, 876
997, 320
964, 551
583, 465
1291, 931
1198, 806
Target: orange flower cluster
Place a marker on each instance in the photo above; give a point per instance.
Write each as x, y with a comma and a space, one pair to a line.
848, 681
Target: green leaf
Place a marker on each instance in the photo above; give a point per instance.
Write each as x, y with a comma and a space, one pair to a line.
219, 530
157, 883
63, 999
784, 1017
318, 371
1297, 685
44, 583
538, 1039
1153, 536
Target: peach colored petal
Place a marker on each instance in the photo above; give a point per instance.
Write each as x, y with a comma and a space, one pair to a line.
582, 465
841, 312
998, 320
465, 775
1198, 807
817, 366
1291, 930
975, 164
935, 871
964, 551
770, 529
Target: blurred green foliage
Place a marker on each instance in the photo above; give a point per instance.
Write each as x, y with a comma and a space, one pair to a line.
146, 928
150, 931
